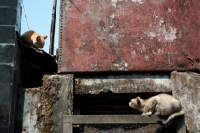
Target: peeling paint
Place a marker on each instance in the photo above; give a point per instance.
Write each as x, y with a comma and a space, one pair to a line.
161, 21
112, 16
114, 38
157, 52
114, 2
121, 65
169, 10
146, 57
140, 1
143, 49
151, 34
133, 53
169, 35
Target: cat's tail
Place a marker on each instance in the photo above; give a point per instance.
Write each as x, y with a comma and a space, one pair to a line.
172, 116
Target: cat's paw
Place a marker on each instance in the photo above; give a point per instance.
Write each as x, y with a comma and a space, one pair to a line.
143, 113
147, 113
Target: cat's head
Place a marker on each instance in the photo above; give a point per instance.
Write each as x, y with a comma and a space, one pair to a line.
40, 41
136, 103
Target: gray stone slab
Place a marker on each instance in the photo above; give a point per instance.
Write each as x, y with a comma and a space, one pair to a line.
8, 16
6, 73
5, 93
64, 106
30, 116
7, 52
111, 119
7, 34
43, 107
135, 83
186, 88
4, 115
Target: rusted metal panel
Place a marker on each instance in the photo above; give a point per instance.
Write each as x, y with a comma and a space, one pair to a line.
129, 35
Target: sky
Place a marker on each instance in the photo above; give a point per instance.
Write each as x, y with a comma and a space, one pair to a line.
39, 14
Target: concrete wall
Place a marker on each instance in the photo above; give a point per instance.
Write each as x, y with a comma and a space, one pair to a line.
186, 87
56, 97
41, 109
9, 23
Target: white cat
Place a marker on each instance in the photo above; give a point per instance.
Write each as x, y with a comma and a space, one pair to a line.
161, 104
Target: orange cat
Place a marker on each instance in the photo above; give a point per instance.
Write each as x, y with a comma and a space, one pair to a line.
33, 39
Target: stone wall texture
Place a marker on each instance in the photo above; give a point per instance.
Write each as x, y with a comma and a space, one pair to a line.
186, 87
9, 20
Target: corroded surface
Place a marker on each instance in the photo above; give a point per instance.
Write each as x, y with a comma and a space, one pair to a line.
186, 87
129, 35
122, 84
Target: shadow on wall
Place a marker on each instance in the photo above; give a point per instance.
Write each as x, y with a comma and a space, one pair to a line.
36, 63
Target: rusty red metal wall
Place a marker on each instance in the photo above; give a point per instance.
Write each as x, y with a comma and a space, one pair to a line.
129, 35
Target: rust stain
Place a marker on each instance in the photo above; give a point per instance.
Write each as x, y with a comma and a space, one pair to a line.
134, 35
190, 124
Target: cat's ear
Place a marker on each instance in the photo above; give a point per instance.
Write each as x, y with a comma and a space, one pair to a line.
38, 38
45, 37
138, 100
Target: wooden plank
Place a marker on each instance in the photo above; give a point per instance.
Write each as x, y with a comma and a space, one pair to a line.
111, 119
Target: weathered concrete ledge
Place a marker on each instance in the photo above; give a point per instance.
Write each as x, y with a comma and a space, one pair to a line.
45, 106
186, 87
41, 109
134, 83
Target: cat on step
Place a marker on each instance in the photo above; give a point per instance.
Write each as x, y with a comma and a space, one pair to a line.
33, 39
161, 104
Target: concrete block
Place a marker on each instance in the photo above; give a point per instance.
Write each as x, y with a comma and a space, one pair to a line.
5, 93
46, 105
124, 84
58, 90
8, 16
7, 34
64, 92
7, 52
186, 87
31, 104
6, 73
